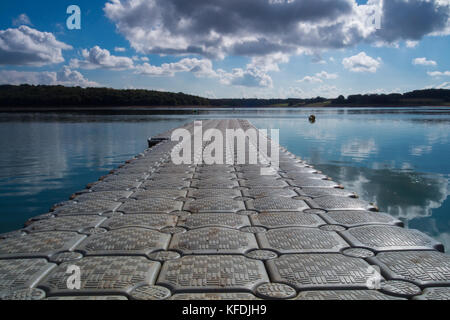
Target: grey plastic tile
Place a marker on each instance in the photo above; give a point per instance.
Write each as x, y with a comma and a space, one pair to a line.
214, 296
424, 268
163, 256
212, 273
345, 295
400, 288
153, 205
301, 240
214, 204
65, 257
214, 175
228, 220
134, 177
358, 253
149, 292
332, 227
162, 194
277, 204
320, 271
276, 291
92, 231
272, 220
262, 255
89, 207
138, 176
357, 218
67, 223
213, 240
39, 244
18, 274
171, 176
258, 174
166, 184
340, 203
215, 183
23, 294
389, 238
253, 229
127, 241
265, 182
207, 193
219, 169
104, 275
309, 183
322, 192
150, 221
116, 196
175, 169
269, 192
252, 170
441, 293
173, 230
88, 298
119, 185
134, 170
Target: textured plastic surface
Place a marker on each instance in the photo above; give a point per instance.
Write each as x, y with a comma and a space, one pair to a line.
155, 230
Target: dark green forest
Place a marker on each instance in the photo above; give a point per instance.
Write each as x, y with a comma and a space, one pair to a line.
418, 97
59, 96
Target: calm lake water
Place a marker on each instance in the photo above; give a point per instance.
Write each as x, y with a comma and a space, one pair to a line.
396, 158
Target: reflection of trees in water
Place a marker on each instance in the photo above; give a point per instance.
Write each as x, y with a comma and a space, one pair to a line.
403, 194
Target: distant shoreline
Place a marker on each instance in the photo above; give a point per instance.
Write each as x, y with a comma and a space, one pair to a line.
186, 109
26, 98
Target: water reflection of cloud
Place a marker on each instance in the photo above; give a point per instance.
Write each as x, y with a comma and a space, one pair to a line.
404, 194
42, 156
438, 135
420, 150
358, 149
407, 166
322, 132
444, 238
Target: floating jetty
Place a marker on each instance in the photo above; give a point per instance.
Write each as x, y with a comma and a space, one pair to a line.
154, 230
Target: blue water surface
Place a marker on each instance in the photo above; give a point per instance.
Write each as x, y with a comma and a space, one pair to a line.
397, 158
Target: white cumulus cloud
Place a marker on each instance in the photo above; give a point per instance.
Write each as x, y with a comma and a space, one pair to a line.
411, 44
439, 73
98, 58
65, 76
362, 63
319, 77
25, 46
424, 62
251, 76
199, 67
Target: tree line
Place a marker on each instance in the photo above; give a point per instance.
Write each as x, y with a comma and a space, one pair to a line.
417, 97
60, 96
55, 96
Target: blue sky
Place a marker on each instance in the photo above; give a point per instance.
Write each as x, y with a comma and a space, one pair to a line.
230, 48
